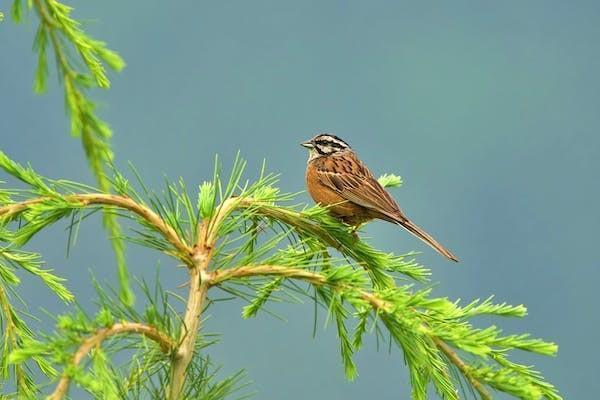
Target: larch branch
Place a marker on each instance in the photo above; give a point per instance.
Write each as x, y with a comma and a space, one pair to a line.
87, 199
463, 368
200, 279
372, 298
164, 341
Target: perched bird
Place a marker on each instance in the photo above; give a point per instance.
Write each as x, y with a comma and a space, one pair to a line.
336, 178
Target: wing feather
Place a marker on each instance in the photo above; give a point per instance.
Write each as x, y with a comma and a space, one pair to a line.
355, 183
348, 177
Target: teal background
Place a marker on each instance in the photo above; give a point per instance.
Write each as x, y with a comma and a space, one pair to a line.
488, 110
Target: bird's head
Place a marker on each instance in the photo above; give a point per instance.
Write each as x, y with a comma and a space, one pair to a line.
324, 144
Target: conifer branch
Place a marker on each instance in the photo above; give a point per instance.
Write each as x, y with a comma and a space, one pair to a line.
58, 27
315, 278
219, 243
200, 281
199, 284
88, 199
11, 332
191, 324
462, 367
378, 303
165, 342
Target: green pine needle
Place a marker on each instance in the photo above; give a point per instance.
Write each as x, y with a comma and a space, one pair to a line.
390, 180
267, 250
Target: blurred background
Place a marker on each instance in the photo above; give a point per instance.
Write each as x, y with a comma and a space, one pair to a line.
488, 110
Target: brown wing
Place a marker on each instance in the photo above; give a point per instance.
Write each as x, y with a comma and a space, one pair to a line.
349, 177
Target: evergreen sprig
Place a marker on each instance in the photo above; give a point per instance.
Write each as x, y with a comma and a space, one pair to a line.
250, 241
81, 63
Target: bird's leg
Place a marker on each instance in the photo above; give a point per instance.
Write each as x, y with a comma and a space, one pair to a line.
355, 228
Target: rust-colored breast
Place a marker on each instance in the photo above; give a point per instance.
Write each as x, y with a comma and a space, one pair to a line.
347, 211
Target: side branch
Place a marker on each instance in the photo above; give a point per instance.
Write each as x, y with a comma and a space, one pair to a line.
200, 280
464, 368
293, 218
10, 332
375, 301
165, 342
109, 200
294, 273
208, 231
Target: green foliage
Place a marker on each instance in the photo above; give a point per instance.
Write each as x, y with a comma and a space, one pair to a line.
31, 262
26, 175
81, 63
16, 10
390, 180
262, 296
72, 331
266, 250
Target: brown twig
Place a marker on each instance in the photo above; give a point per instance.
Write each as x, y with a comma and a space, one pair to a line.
165, 342
200, 282
110, 200
375, 301
201, 279
289, 272
464, 368
191, 324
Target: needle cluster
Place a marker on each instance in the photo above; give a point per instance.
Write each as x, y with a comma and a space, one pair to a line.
249, 240
81, 64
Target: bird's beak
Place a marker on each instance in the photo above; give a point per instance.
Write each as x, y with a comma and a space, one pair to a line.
307, 144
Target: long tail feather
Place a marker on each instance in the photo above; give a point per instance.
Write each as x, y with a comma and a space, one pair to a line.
424, 236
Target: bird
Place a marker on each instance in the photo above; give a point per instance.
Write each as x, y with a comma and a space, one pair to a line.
337, 179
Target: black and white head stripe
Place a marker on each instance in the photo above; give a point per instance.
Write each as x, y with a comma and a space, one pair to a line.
327, 144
